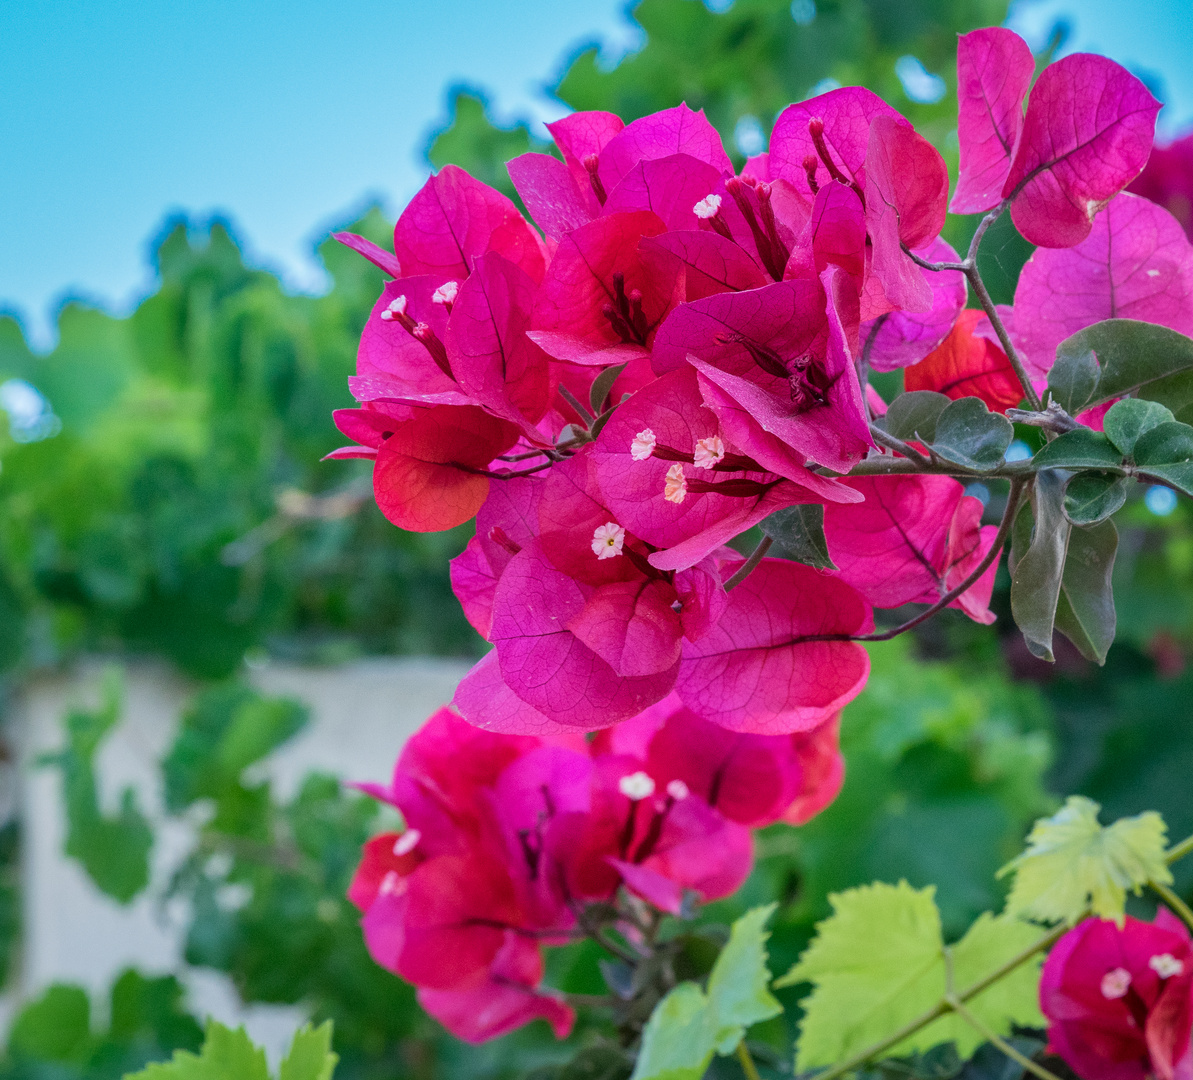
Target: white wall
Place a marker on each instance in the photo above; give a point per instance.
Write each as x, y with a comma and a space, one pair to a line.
361, 714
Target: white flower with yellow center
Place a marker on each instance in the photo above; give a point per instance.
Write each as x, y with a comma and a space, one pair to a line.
607, 540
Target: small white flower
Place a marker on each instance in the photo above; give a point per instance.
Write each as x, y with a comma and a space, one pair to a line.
1166, 965
678, 790
446, 293
607, 540
675, 486
707, 207
1116, 983
396, 307
407, 842
636, 786
643, 445
708, 452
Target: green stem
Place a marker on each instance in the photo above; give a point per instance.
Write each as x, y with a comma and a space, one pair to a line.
995, 1039
1179, 851
747, 567
747, 1062
1175, 902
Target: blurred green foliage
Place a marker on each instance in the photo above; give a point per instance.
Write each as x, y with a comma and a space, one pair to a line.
183, 512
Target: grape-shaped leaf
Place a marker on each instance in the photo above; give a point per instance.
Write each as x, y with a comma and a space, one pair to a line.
679, 1038
226, 1055
969, 434
879, 962
1073, 864
1126, 420
310, 1056
737, 988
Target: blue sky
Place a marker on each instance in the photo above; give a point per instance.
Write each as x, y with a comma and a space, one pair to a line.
286, 116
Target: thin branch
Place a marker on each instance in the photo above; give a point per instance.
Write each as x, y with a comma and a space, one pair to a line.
574, 402
1179, 851
898, 445
747, 567
747, 1062
979, 287
993, 1037
1175, 902
889, 466
936, 267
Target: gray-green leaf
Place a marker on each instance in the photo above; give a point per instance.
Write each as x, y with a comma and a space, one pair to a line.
1079, 449
1073, 379
1130, 353
1036, 577
1092, 497
913, 415
601, 386
1085, 610
968, 434
1129, 418
799, 531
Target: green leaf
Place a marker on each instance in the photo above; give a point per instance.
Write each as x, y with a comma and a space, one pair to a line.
969, 434
226, 1055
1072, 380
679, 1038
601, 386
799, 531
877, 963
1036, 576
1085, 609
1073, 863
1014, 1000
913, 415
1129, 418
310, 1056
1164, 444
1130, 354
114, 850
55, 1027
1079, 449
1091, 497
737, 987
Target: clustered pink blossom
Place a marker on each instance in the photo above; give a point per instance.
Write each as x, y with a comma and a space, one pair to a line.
508, 839
1119, 1000
669, 354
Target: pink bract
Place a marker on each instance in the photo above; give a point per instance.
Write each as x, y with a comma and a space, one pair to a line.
1168, 180
1086, 135
994, 70
1136, 263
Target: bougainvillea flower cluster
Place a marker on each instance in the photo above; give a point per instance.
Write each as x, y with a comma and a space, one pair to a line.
1119, 1000
678, 350
509, 840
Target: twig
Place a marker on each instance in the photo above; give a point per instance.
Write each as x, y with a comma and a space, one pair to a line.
1175, 902
898, 445
574, 402
889, 466
747, 1062
993, 1037
1179, 851
1053, 418
747, 567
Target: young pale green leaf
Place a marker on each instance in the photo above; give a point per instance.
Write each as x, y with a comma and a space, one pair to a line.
310, 1056
1085, 610
1036, 576
799, 531
968, 434
876, 962
1012, 1000
679, 1038
1091, 497
913, 415
1073, 379
737, 987
1129, 418
1079, 449
1073, 863
1130, 353
226, 1055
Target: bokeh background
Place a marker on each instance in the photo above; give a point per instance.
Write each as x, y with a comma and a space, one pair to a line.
178, 329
